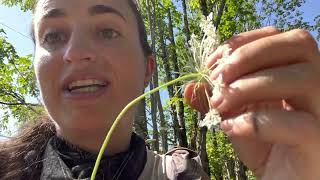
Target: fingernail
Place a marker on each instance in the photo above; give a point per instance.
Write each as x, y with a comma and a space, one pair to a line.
213, 58
215, 73
216, 99
226, 126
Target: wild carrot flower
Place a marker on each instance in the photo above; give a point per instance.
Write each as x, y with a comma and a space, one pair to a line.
201, 51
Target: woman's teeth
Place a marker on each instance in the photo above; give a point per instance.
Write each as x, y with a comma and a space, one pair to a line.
86, 89
85, 85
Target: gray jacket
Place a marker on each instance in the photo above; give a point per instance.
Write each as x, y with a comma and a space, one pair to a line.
177, 164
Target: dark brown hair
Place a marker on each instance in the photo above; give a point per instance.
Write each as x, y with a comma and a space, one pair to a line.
142, 29
21, 156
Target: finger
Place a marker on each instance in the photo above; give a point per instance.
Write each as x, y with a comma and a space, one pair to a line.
250, 36
195, 96
274, 126
239, 40
272, 84
256, 136
233, 43
282, 49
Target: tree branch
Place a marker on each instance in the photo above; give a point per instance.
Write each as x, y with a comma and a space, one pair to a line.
18, 104
14, 95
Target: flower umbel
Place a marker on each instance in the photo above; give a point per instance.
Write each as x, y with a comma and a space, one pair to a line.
201, 51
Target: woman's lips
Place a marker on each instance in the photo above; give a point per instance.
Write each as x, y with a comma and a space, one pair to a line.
88, 93
84, 86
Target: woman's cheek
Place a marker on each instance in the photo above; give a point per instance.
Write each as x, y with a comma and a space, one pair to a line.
46, 74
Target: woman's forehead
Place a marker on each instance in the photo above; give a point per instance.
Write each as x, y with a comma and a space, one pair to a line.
80, 7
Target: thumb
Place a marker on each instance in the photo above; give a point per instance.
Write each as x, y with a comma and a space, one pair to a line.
195, 96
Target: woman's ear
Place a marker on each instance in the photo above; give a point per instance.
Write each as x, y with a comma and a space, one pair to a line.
150, 66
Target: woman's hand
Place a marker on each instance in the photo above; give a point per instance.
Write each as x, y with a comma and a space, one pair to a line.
271, 104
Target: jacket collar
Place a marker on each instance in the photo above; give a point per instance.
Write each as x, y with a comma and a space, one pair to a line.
65, 161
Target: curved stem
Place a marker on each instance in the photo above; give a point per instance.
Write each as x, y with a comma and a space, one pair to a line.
128, 106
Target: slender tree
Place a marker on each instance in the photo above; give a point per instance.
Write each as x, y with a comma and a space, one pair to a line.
182, 136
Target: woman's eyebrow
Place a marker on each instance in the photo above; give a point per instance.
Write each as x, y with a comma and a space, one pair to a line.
94, 10
54, 13
102, 9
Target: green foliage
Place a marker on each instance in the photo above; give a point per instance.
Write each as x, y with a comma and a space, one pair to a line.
219, 151
239, 16
25, 5
317, 26
17, 83
284, 14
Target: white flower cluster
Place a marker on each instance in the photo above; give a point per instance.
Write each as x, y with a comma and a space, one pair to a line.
211, 120
201, 51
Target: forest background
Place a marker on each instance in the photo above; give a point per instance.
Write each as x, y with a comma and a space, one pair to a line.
163, 119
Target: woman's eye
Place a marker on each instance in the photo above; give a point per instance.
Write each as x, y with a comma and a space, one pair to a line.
109, 33
54, 38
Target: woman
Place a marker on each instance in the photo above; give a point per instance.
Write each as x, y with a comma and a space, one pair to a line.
92, 58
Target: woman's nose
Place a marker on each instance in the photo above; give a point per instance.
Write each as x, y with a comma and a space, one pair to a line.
79, 49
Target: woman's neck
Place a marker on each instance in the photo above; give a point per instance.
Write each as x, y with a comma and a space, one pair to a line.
91, 140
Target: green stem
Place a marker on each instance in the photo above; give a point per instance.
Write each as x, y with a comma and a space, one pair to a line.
128, 106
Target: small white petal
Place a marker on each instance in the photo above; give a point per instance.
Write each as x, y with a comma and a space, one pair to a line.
212, 120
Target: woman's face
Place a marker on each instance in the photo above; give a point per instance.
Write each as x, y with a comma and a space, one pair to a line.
88, 60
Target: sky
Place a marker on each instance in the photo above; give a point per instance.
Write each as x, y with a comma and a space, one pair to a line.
17, 26
20, 22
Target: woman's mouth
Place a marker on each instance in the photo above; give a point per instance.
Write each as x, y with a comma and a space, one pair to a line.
85, 89
86, 86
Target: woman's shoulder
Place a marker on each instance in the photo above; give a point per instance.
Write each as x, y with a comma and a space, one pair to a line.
178, 163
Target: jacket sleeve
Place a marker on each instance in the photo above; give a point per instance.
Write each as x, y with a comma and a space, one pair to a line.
184, 164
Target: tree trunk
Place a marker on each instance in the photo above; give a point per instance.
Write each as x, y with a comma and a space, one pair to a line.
211, 5
203, 150
219, 170
155, 132
168, 78
193, 139
154, 98
185, 19
204, 7
163, 126
220, 12
242, 171
231, 169
182, 137
140, 120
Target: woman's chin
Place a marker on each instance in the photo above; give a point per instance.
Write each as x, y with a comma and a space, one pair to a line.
86, 125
